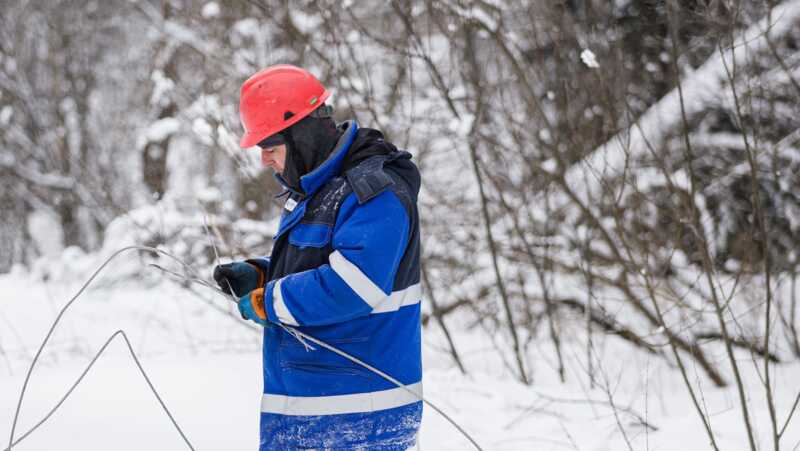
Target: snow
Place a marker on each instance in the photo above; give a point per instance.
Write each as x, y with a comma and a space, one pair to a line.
162, 86
210, 10
306, 23
11, 65
5, 115
589, 59
33, 176
210, 194
161, 129
203, 131
205, 363
246, 27
46, 232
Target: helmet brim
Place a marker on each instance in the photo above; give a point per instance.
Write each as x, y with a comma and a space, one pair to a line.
250, 139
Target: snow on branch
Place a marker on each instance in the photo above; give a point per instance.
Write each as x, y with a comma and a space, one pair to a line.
34, 177
159, 131
184, 35
699, 88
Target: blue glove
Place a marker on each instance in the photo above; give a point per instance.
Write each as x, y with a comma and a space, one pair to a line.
251, 306
243, 277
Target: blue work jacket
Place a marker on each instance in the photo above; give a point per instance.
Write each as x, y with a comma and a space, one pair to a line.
345, 269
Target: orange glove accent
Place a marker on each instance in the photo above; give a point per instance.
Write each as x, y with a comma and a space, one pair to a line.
257, 301
252, 306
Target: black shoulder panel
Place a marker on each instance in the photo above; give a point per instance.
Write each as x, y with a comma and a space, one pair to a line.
368, 178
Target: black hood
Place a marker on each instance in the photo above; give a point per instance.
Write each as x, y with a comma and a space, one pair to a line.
368, 142
308, 144
301, 159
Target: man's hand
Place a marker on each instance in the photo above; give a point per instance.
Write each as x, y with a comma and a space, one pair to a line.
252, 306
241, 276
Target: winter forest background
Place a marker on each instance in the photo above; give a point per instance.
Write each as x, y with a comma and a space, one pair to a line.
610, 201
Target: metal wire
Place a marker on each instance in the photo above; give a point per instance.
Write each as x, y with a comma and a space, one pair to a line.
53, 327
86, 371
181, 277
390, 379
301, 337
293, 331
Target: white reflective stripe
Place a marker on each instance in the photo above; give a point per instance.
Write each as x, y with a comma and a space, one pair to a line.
407, 296
284, 315
339, 404
357, 280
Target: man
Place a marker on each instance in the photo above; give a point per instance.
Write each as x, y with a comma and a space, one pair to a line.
344, 269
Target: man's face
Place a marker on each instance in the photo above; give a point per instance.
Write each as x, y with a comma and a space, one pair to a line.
274, 157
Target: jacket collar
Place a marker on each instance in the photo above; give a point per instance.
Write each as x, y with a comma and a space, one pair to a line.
312, 181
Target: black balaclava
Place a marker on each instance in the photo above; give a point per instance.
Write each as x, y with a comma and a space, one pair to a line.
308, 144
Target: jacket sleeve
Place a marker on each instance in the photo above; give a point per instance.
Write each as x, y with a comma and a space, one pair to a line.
368, 240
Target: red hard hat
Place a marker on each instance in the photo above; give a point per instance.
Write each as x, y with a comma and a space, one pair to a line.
270, 94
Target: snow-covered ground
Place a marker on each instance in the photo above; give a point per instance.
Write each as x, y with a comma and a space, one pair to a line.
206, 365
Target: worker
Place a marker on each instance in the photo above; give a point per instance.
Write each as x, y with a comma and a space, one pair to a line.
344, 268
